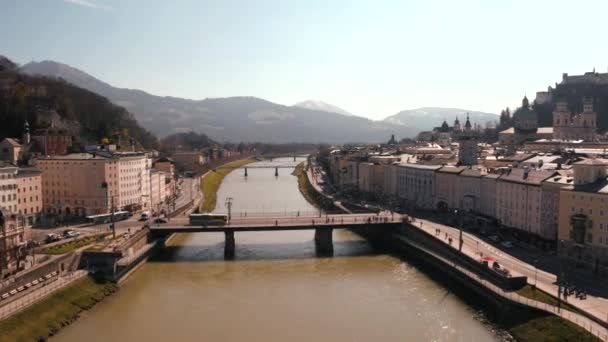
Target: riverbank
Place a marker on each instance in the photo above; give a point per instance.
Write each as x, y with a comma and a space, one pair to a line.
311, 195
211, 182
44, 319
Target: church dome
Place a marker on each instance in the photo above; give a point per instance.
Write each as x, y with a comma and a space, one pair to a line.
525, 119
444, 127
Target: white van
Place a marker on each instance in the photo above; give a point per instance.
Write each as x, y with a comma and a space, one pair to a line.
145, 216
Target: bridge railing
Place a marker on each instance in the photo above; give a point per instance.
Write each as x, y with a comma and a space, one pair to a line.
245, 214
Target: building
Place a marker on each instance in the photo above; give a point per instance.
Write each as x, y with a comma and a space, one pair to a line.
550, 205
371, 177
13, 241
29, 195
8, 187
416, 184
445, 135
467, 145
188, 161
158, 190
79, 184
166, 165
525, 127
487, 205
133, 181
446, 188
53, 141
10, 151
469, 189
574, 127
519, 199
583, 217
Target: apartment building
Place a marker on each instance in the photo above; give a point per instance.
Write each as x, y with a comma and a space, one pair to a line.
447, 197
416, 184
29, 195
519, 199
583, 217
79, 184
133, 180
8, 187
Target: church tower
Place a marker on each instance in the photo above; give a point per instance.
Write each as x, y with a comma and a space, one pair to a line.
467, 149
26, 133
588, 121
562, 119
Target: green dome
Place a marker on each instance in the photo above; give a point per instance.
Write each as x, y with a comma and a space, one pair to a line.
523, 113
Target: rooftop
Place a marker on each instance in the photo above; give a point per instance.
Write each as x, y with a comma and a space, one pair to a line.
526, 176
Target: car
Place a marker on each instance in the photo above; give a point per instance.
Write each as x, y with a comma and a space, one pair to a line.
494, 238
160, 220
52, 238
507, 244
70, 233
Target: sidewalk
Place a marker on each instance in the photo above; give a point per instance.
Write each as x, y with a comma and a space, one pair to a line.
596, 306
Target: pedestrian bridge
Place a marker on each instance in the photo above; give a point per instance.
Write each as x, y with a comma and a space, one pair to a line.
322, 225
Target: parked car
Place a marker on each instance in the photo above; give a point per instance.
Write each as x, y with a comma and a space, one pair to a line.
160, 220
494, 238
52, 238
507, 244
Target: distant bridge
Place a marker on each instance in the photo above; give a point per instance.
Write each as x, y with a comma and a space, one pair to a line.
246, 167
323, 227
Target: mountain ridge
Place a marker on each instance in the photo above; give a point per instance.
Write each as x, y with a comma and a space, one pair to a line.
237, 118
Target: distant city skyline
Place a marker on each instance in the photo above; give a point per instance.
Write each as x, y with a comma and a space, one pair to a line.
371, 59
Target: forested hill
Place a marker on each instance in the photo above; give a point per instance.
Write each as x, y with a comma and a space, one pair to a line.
88, 116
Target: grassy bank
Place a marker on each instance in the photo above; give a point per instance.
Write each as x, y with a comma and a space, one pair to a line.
211, 183
45, 318
550, 328
70, 246
544, 297
310, 193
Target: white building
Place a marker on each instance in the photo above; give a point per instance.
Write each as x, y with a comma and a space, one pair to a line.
8, 187
519, 199
134, 181
416, 184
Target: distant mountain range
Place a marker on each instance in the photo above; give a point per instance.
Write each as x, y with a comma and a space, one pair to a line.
428, 117
322, 106
253, 119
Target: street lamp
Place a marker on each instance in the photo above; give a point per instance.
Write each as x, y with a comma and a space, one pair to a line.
228, 205
535, 272
460, 242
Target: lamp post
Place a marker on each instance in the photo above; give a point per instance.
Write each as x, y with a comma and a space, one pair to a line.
104, 185
460, 241
535, 272
228, 205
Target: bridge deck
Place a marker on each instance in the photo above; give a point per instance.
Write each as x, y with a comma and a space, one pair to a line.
282, 224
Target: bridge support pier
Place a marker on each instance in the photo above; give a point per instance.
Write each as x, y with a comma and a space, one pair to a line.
294, 158
245, 172
276, 172
229, 245
323, 242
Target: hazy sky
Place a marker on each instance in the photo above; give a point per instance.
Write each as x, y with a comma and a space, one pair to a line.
372, 58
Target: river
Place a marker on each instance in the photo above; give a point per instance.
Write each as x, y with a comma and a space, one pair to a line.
276, 289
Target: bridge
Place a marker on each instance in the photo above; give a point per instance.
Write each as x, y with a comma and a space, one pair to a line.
323, 227
245, 167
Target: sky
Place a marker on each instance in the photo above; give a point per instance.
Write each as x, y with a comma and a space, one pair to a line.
371, 58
